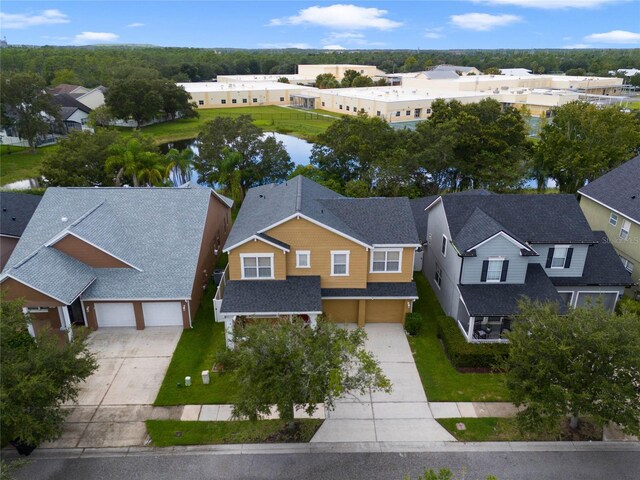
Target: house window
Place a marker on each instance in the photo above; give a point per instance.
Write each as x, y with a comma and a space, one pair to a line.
223, 101
628, 264
559, 257
282, 99
428, 111
378, 113
340, 263
613, 219
397, 114
303, 259
339, 107
234, 100
624, 230
494, 270
323, 104
408, 113
257, 265
200, 102
443, 249
244, 100
438, 275
347, 108
255, 100
386, 261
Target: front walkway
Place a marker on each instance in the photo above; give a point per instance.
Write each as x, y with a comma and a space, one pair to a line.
402, 415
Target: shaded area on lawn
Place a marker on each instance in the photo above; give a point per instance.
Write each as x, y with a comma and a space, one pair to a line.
196, 352
441, 381
165, 433
492, 429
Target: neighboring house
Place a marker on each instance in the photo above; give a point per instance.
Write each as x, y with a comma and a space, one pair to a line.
612, 203
298, 248
17, 209
89, 97
485, 252
117, 257
73, 114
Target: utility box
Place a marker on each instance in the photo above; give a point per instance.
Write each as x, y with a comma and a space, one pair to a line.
205, 377
217, 275
187, 381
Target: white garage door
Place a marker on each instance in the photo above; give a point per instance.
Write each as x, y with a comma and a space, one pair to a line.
115, 315
162, 314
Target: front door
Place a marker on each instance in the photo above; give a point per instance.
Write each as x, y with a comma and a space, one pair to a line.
75, 313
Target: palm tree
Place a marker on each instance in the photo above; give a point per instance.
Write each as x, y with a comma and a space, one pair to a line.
230, 176
150, 170
131, 159
179, 163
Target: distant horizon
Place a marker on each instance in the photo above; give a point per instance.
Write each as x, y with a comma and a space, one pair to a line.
325, 25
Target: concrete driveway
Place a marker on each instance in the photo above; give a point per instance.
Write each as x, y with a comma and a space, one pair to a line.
115, 401
402, 415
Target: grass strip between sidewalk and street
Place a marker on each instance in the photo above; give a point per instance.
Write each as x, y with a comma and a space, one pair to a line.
167, 433
441, 381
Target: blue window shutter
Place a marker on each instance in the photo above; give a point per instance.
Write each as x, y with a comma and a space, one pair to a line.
567, 262
485, 269
550, 257
505, 269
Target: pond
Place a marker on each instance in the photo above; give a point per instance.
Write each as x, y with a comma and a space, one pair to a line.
299, 150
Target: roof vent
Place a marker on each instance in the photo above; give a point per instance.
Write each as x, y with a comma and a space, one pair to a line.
633, 197
64, 219
13, 218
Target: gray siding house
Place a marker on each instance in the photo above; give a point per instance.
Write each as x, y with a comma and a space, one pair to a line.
483, 253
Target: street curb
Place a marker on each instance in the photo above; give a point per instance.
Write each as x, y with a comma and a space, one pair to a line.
311, 448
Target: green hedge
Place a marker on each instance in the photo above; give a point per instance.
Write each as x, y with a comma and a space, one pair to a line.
413, 323
463, 354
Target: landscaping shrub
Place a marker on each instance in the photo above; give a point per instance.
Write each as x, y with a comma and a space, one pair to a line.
628, 304
413, 323
463, 354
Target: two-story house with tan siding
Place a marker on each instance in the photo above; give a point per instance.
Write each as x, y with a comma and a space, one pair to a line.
117, 257
300, 249
483, 253
612, 204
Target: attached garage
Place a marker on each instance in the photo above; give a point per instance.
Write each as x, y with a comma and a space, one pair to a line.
115, 315
385, 311
341, 311
162, 314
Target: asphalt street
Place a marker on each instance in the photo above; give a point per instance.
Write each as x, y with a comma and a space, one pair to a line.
471, 465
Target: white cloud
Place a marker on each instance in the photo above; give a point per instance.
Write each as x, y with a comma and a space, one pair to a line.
577, 45
22, 20
302, 46
334, 47
340, 17
549, 4
614, 36
85, 37
483, 22
135, 25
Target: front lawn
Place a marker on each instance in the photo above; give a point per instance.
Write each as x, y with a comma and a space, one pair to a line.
441, 381
491, 429
167, 433
196, 352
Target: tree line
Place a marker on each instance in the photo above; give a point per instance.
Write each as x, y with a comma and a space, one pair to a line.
95, 65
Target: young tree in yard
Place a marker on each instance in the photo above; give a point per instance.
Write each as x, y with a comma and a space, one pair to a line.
135, 98
292, 365
79, 160
38, 377
28, 106
586, 362
584, 142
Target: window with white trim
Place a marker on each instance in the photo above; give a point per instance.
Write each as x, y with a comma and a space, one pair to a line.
494, 269
628, 264
438, 275
386, 261
624, 230
303, 259
613, 219
259, 265
443, 249
559, 256
340, 263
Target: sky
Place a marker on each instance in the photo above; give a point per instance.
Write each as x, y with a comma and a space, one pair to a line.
391, 24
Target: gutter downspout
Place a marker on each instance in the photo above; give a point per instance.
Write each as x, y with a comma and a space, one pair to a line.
189, 310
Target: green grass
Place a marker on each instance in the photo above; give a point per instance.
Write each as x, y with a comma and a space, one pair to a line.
166, 433
196, 352
298, 123
17, 163
441, 381
491, 429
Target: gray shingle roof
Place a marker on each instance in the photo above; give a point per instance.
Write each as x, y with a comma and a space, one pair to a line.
601, 267
619, 189
17, 209
54, 273
502, 299
530, 218
159, 229
293, 295
376, 290
368, 220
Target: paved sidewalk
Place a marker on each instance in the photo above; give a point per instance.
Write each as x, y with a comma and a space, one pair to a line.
472, 409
